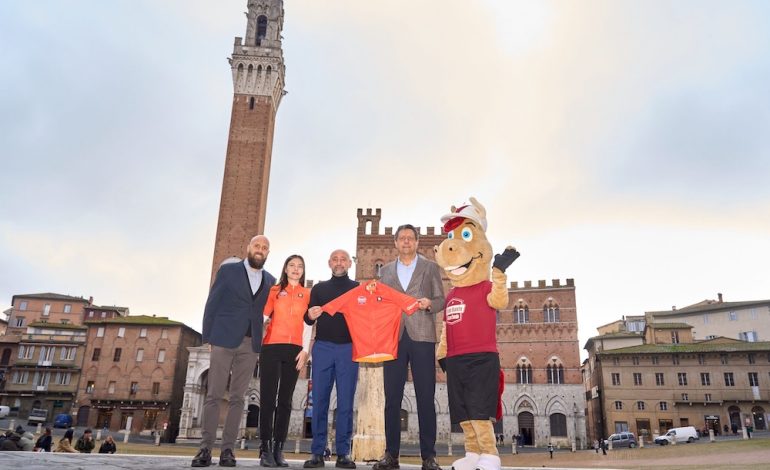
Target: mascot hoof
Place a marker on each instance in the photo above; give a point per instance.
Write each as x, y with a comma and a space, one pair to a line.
488, 462
466, 463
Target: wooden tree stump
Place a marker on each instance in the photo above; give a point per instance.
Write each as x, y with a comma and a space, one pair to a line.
369, 438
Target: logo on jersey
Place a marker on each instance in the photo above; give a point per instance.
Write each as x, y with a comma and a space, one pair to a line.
282, 294
361, 300
454, 311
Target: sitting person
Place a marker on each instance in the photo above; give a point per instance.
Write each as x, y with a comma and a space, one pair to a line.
86, 443
44, 442
65, 443
108, 446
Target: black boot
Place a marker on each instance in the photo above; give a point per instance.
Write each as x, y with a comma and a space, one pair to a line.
266, 458
278, 454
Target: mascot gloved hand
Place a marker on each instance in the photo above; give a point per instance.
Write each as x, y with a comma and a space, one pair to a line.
467, 350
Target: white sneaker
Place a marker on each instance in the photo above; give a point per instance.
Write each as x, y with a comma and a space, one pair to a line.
466, 463
488, 462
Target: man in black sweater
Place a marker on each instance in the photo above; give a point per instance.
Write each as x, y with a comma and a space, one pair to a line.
332, 363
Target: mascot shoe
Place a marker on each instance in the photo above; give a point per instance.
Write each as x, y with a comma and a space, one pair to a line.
466, 463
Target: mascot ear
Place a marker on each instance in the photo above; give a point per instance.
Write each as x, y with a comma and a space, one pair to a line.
479, 208
452, 209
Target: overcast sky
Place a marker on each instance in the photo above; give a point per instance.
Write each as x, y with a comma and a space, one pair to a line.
622, 144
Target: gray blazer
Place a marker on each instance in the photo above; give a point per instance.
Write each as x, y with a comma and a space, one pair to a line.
426, 282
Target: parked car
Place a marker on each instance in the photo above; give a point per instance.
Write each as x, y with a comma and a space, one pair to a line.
4, 411
621, 439
62, 420
37, 415
684, 434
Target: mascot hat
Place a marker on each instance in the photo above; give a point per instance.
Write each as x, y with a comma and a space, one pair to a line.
473, 211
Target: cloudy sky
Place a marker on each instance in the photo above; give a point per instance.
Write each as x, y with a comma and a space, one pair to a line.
622, 144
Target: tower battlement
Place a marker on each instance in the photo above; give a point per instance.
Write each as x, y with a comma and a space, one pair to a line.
369, 225
541, 284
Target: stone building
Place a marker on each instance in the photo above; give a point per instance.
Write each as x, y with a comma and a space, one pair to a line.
648, 383
134, 368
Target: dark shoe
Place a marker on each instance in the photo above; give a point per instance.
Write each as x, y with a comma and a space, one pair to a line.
266, 458
278, 454
430, 464
227, 458
343, 461
316, 461
388, 462
202, 458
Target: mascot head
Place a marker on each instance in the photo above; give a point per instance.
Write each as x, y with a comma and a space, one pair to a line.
466, 254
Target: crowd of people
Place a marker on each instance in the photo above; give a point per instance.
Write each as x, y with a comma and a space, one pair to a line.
21, 440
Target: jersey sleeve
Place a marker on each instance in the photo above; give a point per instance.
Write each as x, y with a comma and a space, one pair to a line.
340, 302
405, 302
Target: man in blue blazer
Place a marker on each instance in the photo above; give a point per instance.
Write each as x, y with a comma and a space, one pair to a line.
232, 325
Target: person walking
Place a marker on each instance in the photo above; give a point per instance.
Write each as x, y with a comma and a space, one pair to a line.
284, 353
108, 446
603, 443
596, 445
232, 326
65, 443
332, 364
420, 278
550, 449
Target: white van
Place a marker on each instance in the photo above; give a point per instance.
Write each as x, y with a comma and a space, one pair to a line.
685, 434
4, 411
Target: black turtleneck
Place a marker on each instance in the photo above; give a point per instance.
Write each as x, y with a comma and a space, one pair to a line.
330, 328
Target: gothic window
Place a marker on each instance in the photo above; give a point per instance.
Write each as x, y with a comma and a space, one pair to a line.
524, 372
558, 424
261, 29
521, 313
551, 312
268, 71
378, 268
555, 373
251, 103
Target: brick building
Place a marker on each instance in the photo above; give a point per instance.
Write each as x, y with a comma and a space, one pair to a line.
647, 383
134, 367
50, 307
258, 81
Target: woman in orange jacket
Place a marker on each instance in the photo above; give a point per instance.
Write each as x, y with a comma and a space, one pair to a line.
284, 353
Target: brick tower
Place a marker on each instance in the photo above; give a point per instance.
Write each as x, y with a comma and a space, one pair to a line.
258, 81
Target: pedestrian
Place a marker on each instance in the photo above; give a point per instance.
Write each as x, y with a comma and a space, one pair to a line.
735, 429
108, 446
65, 443
418, 277
85, 444
44, 442
332, 364
550, 449
285, 350
232, 326
603, 443
596, 445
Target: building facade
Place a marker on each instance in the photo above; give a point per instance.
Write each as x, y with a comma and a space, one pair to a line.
49, 307
665, 378
41, 368
134, 371
258, 86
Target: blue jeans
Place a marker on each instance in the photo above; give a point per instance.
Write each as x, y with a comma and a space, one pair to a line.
333, 363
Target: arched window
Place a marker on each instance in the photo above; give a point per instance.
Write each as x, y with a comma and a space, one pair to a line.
551, 312
555, 373
558, 425
524, 372
640, 405
521, 312
404, 420
251, 103
261, 29
378, 268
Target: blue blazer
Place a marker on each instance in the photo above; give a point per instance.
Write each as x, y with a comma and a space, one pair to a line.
231, 307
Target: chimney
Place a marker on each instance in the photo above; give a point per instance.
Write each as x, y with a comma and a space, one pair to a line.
91, 300
673, 307
719, 295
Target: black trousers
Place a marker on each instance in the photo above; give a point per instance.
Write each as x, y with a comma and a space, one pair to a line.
278, 376
422, 357
472, 384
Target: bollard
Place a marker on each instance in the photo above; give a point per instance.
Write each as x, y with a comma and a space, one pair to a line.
296, 446
125, 436
514, 450
641, 442
243, 443
609, 444
673, 440
98, 434
157, 438
449, 445
39, 427
745, 433
711, 436
13, 425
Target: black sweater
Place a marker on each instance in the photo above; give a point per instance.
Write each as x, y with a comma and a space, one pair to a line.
333, 329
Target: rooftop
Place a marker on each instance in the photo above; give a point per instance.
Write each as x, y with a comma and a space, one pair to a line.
137, 320
700, 347
712, 305
56, 326
669, 326
49, 296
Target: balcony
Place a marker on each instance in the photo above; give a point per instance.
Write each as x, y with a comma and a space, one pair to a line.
44, 363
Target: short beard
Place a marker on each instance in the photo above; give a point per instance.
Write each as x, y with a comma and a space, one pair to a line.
254, 262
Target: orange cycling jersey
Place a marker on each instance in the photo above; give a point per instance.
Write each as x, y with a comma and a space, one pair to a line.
286, 309
373, 319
